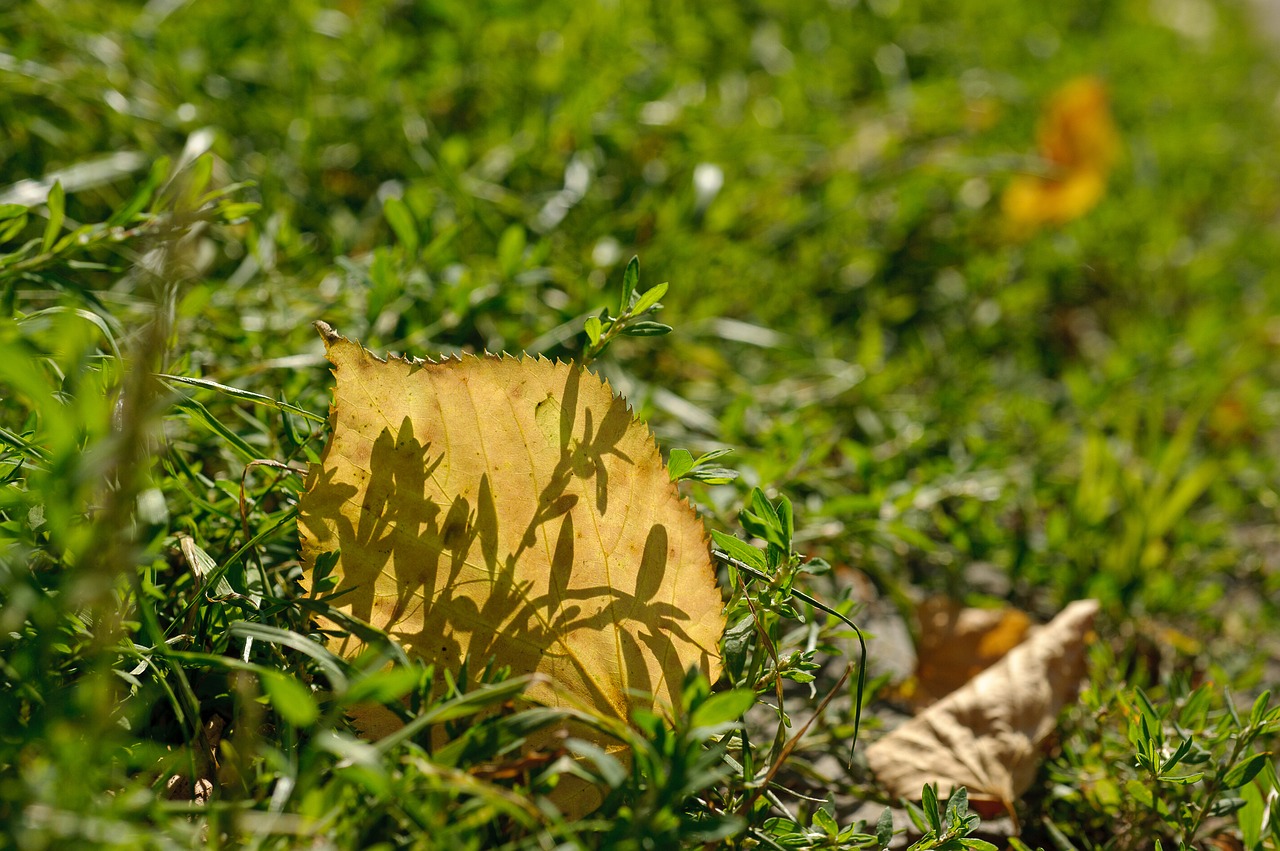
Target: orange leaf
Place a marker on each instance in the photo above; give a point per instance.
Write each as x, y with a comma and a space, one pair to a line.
1076, 132
1079, 144
957, 643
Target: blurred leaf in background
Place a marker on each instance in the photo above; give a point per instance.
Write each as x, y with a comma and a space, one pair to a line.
1078, 144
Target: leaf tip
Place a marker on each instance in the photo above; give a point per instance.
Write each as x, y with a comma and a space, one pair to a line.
326, 332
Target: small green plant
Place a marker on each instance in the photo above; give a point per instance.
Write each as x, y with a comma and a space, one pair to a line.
825, 832
1174, 763
768, 600
684, 467
603, 328
946, 826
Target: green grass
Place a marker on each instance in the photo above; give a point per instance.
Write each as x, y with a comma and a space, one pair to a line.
1091, 411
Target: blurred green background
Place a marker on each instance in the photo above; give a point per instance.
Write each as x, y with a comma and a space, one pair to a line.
830, 172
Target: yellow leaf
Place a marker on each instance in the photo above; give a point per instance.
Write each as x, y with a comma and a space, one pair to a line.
1078, 143
490, 507
1031, 201
986, 735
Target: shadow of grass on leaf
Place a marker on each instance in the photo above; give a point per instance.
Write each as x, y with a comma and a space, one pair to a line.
452, 578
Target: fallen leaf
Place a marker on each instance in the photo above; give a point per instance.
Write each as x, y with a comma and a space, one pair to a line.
986, 735
1076, 132
1078, 142
492, 507
956, 643
1032, 201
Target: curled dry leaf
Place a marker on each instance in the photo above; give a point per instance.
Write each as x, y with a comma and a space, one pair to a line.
956, 643
492, 507
986, 735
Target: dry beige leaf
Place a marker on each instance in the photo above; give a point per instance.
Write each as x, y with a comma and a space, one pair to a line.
490, 507
986, 735
956, 643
